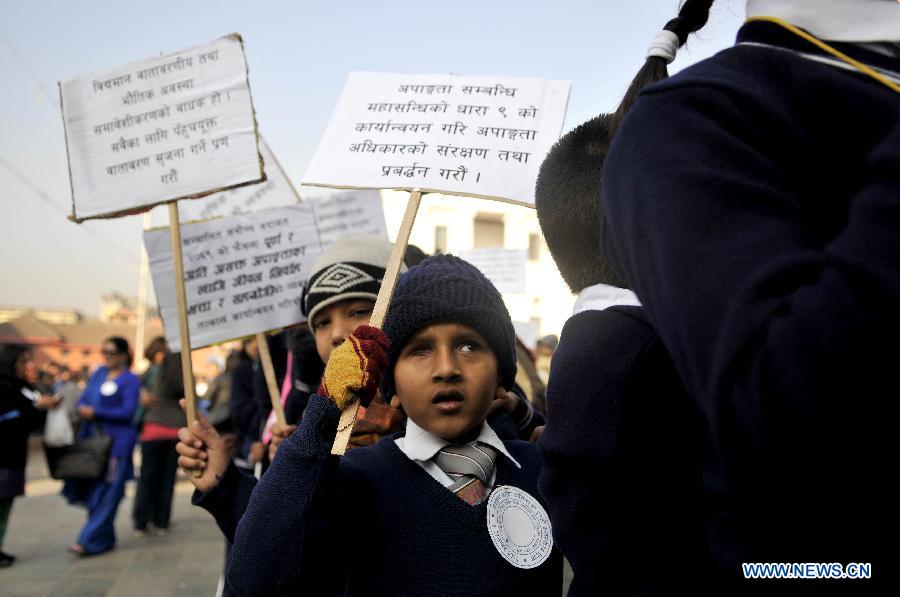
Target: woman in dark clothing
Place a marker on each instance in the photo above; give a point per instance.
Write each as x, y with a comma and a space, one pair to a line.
159, 434
21, 412
107, 406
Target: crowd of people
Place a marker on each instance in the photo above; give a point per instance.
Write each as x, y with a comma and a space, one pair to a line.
742, 414
111, 401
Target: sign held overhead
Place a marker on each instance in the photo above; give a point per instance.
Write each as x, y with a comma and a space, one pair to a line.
474, 136
505, 268
171, 127
242, 274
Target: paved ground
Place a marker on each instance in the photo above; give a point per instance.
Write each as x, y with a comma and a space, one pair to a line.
186, 562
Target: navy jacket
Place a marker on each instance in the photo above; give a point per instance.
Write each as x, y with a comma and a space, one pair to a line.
623, 450
414, 537
753, 201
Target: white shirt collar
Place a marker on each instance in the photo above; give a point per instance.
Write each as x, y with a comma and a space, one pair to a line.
836, 20
601, 296
421, 446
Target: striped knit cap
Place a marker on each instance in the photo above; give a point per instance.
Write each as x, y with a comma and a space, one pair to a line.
446, 289
351, 268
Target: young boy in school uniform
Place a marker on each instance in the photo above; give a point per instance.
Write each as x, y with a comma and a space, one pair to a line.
421, 498
622, 447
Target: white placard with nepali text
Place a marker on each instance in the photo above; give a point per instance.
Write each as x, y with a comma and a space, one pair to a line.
274, 192
170, 127
243, 274
464, 135
355, 212
505, 268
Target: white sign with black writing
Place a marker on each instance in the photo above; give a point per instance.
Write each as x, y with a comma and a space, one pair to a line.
170, 127
356, 212
243, 274
274, 192
463, 135
504, 267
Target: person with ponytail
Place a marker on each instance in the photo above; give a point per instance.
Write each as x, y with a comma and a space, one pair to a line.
753, 204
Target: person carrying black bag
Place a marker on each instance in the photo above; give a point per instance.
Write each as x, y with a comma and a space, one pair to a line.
107, 406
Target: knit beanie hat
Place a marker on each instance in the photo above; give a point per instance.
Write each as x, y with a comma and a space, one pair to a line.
446, 289
351, 268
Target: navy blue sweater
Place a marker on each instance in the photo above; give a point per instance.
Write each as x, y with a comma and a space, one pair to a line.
228, 501
753, 200
414, 536
622, 456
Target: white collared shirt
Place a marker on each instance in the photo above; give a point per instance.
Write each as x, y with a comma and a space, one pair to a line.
601, 296
836, 20
420, 446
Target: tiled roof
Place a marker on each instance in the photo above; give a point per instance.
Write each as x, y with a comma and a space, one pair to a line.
28, 329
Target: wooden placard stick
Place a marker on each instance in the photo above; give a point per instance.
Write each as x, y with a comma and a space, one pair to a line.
385, 293
187, 371
265, 358
187, 368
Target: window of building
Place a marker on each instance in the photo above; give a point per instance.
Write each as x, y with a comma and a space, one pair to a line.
440, 239
489, 230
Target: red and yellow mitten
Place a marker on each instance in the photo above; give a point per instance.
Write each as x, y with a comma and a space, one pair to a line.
355, 368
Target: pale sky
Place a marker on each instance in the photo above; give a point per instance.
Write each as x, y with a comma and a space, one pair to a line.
299, 54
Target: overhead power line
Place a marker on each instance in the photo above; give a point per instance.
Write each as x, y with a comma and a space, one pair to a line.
45, 197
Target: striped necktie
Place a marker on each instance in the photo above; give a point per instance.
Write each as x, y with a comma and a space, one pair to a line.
470, 467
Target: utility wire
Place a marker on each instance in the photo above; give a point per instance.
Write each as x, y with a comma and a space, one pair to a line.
25, 66
45, 197
56, 207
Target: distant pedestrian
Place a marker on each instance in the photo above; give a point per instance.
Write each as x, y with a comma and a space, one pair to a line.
159, 434
21, 412
107, 406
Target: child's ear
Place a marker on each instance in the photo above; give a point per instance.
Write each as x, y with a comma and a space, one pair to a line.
395, 402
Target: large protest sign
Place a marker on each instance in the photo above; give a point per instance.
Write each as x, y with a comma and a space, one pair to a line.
169, 127
243, 274
505, 268
276, 191
474, 136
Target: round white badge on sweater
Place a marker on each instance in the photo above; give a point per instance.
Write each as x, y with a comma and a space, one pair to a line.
519, 527
109, 387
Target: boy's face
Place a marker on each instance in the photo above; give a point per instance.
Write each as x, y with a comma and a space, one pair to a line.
335, 322
446, 377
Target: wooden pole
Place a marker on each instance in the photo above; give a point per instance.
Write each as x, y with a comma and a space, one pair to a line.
265, 358
385, 293
281, 169
187, 371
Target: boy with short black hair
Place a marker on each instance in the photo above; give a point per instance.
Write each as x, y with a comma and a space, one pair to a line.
421, 498
623, 443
